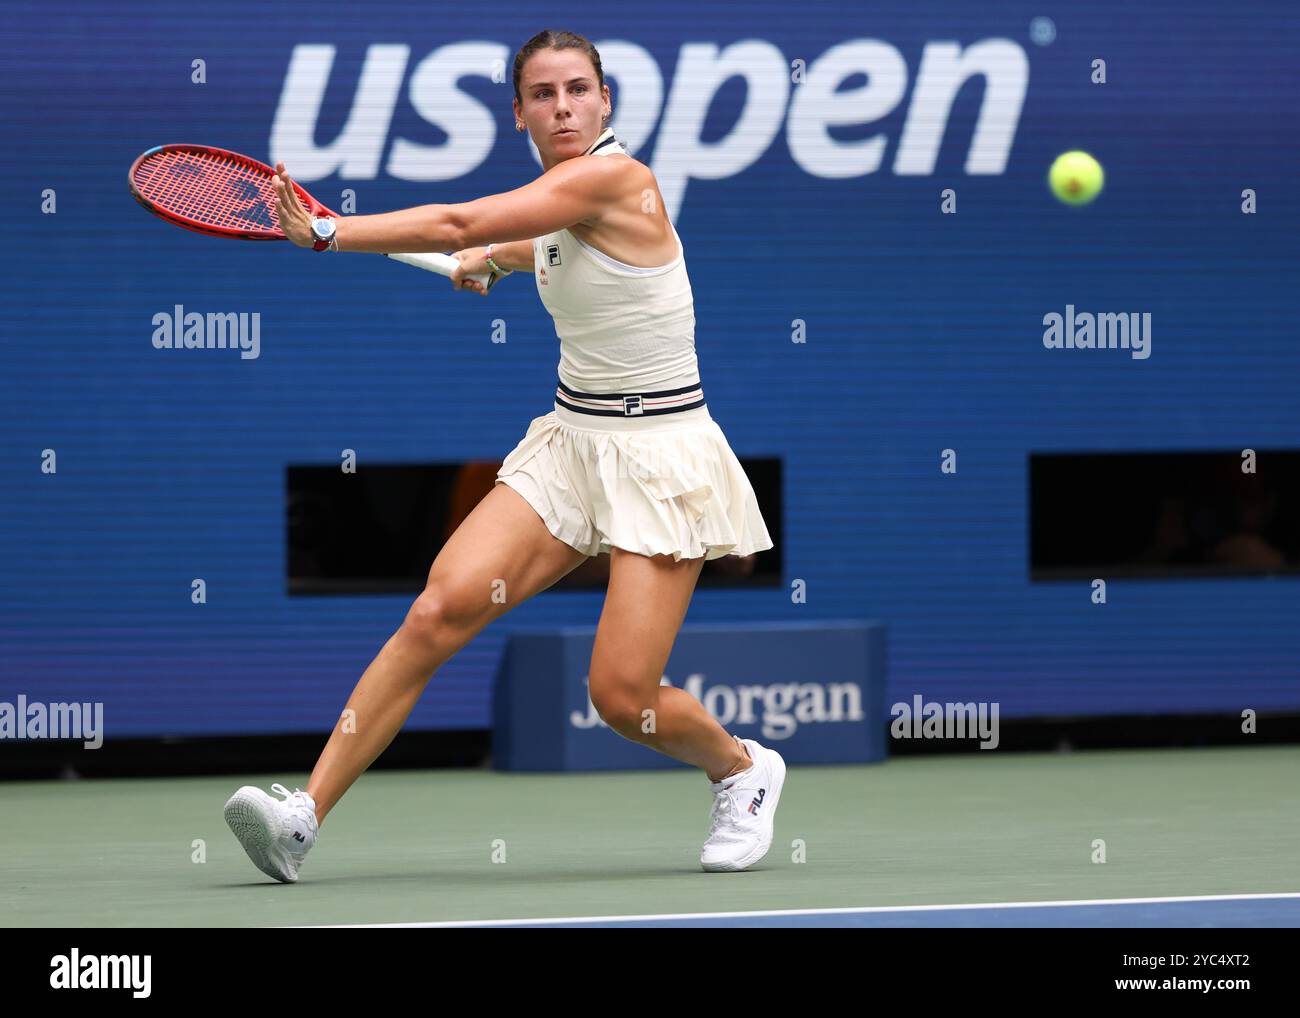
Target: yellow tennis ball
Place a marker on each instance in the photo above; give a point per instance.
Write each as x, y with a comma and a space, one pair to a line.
1076, 178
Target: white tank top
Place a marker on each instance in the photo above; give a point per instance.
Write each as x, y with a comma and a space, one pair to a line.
621, 328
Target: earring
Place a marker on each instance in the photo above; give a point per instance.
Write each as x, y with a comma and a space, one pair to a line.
518, 126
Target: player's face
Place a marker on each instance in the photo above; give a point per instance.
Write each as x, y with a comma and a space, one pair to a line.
563, 105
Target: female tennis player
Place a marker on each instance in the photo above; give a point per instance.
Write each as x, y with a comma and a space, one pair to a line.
628, 463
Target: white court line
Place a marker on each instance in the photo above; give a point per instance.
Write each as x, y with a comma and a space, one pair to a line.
821, 911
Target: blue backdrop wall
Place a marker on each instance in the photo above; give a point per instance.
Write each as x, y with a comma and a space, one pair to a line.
923, 330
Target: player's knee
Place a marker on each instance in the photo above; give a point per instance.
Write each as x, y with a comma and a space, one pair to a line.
623, 711
440, 615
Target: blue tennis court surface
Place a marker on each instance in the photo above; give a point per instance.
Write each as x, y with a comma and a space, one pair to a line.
1209, 911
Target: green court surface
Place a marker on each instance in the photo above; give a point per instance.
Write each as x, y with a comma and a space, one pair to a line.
418, 846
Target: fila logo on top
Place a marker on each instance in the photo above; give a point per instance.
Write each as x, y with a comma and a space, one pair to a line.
800, 94
552, 254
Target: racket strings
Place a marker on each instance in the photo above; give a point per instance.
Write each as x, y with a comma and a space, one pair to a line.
211, 190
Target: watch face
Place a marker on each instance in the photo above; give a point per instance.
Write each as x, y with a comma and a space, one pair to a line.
323, 228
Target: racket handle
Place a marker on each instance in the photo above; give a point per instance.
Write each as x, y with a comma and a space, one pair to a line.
442, 264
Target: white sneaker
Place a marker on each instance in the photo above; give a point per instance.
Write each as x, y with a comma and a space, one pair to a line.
276, 833
744, 806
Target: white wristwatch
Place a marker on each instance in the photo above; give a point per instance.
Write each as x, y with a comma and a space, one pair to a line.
322, 228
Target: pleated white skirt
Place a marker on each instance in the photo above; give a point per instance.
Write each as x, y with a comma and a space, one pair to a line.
657, 485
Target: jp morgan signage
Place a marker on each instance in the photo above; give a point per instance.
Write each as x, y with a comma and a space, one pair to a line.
815, 691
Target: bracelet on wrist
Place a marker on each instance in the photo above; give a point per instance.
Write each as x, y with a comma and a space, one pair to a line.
494, 266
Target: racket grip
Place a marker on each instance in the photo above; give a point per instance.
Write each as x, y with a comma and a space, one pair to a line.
442, 264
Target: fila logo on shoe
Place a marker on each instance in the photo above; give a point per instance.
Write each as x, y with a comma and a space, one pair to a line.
757, 801
297, 836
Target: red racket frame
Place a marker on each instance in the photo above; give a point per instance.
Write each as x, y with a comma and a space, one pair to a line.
264, 174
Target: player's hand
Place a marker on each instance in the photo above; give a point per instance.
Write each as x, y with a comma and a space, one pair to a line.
473, 262
294, 220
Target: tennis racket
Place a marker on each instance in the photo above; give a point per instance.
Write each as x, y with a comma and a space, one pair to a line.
225, 194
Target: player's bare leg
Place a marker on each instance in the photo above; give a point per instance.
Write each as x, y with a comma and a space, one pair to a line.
644, 607
503, 547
